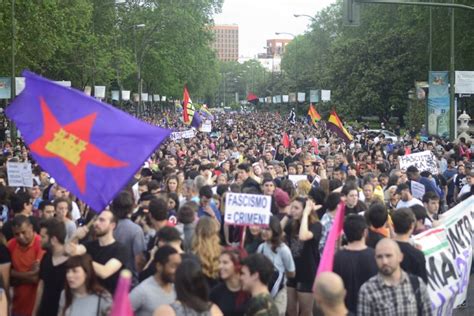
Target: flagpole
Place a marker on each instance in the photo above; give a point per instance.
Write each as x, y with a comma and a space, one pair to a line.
13, 83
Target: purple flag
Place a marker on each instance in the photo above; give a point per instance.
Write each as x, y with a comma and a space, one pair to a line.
89, 147
196, 122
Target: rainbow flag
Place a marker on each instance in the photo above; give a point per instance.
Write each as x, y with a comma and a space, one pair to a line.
313, 115
334, 124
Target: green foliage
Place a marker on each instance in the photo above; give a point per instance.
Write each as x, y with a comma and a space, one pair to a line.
370, 68
99, 42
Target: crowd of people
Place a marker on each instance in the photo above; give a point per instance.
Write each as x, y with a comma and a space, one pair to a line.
59, 257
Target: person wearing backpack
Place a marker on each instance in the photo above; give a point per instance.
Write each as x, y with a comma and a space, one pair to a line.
393, 292
280, 255
303, 235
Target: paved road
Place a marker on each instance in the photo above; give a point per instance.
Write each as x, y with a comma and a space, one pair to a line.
469, 309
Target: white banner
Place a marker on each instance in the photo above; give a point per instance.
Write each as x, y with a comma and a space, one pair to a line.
285, 98
163, 98
424, 161
99, 92
19, 85
247, 209
297, 177
156, 97
206, 127
464, 82
19, 174
448, 251
64, 83
301, 97
314, 96
87, 90
325, 95
190, 133
144, 97
115, 95
417, 190
125, 95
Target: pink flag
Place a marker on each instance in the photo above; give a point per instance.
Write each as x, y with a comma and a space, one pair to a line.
327, 260
121, 305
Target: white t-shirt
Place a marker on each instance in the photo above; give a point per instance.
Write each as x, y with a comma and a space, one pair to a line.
409, 203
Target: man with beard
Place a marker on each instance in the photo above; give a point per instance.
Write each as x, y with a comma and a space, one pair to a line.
157, 289
52, 273
393, 291
107, 254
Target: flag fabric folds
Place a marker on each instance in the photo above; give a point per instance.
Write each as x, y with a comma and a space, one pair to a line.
186, 101
121, 305
334, 124
252, 98
292, 117
188, 107
196, 121
205, 113
327, 259
89, 147
286, 141
313, 115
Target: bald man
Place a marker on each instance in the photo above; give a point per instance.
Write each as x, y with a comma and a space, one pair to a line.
330, 293
393, 291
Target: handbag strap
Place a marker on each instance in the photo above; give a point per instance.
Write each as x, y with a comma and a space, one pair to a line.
98, 305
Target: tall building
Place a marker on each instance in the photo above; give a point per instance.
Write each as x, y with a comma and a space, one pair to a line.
226, 42
276, 47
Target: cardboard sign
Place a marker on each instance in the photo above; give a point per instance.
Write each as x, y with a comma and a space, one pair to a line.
19, 174
206, 127
424, 161
297, 177
247, 209
448, 251
417, 190
183, 135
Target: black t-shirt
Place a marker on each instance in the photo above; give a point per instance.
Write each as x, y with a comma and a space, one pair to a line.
359, 207
414, 261
8, 231
53, 278
305, 253
230, 303
103, 254
373, 238
4, 255
354, 268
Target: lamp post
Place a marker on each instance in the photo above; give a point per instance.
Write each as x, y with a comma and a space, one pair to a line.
139, 66
13, 83
306, 16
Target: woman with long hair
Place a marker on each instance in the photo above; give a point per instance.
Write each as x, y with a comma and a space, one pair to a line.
82, 294
279, 254
173, 185
192, 293
303, 234
228, 294
206, 246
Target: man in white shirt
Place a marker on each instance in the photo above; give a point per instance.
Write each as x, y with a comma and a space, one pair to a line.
406, 198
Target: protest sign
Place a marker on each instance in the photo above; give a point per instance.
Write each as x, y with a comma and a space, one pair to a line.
206, 127
448, 251
417, 190
297, 177
424, 161
247, 209
19, 174
190, 133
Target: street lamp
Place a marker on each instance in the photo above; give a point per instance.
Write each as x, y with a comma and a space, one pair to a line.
139, 65
306, 16
285, 33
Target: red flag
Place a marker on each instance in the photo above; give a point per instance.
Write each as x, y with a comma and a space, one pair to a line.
315, 146
286, 140
121, 305
407, 150
252, 98
185, 105
327, 259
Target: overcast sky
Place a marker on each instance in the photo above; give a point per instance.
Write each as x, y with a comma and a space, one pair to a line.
258, 20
